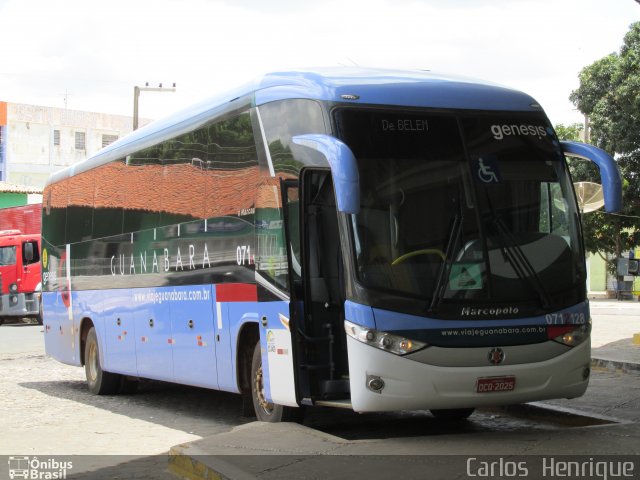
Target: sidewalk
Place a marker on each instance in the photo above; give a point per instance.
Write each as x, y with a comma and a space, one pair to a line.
621, 355
614, 326
266, 451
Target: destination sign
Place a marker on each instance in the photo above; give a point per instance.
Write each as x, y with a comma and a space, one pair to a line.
408, 125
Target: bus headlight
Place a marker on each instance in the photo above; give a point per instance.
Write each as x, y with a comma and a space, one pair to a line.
382, 340
569, 335
13, 288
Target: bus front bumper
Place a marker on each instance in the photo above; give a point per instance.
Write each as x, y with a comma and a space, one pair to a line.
410, 385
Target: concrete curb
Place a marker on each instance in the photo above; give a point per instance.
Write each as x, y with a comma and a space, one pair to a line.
618, 366
196, 468
269, 442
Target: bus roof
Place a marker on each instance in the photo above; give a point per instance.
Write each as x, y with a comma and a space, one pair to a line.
351, 85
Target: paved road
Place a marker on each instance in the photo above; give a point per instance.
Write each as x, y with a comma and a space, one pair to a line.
46, 410
50, 411
21, 338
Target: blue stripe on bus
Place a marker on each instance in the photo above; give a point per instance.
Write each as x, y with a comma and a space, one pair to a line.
389, 321
469, 332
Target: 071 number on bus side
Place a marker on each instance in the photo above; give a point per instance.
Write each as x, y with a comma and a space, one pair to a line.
243, 255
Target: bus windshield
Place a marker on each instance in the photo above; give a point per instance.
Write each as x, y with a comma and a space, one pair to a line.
464, 210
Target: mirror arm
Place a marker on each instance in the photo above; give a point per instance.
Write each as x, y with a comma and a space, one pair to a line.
344, 168
609, 172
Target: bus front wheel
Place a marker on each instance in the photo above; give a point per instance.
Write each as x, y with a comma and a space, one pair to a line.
265, 410
99, 381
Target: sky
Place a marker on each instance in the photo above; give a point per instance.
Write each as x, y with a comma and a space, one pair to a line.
89, 55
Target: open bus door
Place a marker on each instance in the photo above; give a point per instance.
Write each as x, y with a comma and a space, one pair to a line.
325, 195
313, 367
317, 289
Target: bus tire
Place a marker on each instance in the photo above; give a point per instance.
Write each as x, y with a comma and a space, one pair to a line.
98, 381
453, 414
267, 411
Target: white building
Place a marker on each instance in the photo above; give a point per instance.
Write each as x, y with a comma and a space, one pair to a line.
36, 141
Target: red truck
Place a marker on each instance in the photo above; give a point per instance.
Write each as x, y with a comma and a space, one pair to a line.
20, 282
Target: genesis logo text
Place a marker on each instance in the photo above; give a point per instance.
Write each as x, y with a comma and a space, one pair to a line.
501, 131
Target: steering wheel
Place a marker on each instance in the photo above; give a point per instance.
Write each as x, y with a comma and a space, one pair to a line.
424, 251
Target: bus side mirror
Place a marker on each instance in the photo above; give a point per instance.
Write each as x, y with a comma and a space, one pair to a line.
611, 179
344, 168
28, 251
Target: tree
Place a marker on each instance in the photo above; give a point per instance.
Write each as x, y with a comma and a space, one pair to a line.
570, 132
608, 94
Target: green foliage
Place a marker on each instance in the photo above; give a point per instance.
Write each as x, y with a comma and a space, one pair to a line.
570, 132
609, 95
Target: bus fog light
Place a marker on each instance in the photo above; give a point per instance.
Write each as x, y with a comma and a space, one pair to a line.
586, 373
13, 300
375, 383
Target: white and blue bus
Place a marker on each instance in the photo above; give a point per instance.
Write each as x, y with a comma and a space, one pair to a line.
364, 239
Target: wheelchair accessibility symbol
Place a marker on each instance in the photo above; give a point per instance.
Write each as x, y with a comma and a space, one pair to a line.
486, 170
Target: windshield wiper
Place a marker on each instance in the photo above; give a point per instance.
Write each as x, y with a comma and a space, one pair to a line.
454, 239
519, 261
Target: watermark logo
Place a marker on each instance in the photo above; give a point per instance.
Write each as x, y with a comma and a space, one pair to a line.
38, 469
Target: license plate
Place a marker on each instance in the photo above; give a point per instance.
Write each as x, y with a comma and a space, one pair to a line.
495, 384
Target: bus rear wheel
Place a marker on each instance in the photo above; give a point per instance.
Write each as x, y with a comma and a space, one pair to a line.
98, 381
265, 410
453, 414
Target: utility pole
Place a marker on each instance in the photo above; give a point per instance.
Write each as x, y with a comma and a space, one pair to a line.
146, 88
66, 98
587, 128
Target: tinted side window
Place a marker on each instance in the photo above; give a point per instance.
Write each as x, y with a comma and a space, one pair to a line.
80, 207
54, 213
285, 119
142, 179
183, 181
108, 200
232, 167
